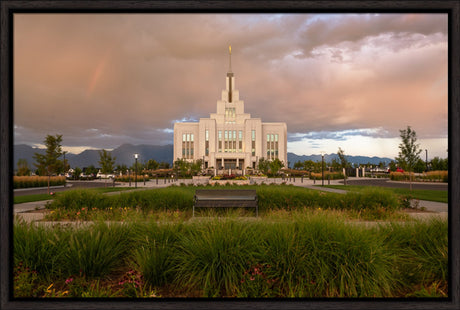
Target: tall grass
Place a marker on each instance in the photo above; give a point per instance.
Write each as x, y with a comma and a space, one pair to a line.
156, 247
327, 175
434, 176
36, 181
421, 248
39, 248
213, 256
309, 254
98, 250
369, 204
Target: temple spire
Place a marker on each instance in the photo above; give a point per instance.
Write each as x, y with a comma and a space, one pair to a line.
230, 74
229, 59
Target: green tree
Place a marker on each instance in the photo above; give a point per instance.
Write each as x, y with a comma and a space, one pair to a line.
343, 160
107, 162
76, 173
152, 164
409, 151
181, 167
420, 166
23, 167
439, 164
310, 165
275, 166
298, 165
392, 165
121, 168
164, 165
264, 165
140, 166
196, 166
49, 163
343, 163
91, 170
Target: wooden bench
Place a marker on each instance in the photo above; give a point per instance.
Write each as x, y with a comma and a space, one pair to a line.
225, 198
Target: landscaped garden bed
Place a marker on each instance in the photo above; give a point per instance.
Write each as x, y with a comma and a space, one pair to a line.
301, 245
287, 254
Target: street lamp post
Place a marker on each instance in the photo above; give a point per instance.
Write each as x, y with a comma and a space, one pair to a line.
64, 168
426, 159
135, 175
322, 168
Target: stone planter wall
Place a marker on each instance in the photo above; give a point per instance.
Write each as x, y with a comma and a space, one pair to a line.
258, 180
200, 179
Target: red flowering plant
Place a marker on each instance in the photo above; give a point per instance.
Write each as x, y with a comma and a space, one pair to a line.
255, 282
132, 284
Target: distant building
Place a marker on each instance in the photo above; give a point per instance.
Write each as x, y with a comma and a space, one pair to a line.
230, 138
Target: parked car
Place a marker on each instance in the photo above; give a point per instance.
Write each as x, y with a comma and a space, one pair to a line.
399, 169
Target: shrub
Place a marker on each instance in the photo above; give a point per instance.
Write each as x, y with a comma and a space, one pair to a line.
327, 175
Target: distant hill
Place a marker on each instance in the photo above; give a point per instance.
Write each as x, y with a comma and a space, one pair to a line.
124, 154
293, 158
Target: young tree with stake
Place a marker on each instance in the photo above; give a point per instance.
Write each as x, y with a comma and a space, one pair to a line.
410, 151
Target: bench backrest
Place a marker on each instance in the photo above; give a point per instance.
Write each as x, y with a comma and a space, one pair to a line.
250, 193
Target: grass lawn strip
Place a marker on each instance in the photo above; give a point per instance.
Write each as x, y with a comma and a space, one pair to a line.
421, 194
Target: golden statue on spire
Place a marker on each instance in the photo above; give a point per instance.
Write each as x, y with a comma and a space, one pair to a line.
230, 49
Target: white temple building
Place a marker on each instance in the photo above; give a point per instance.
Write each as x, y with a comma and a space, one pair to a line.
230, 138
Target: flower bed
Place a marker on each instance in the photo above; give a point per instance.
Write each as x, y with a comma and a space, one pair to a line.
230, 182
229, 177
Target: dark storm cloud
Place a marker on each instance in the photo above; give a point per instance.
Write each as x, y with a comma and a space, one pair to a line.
104, 80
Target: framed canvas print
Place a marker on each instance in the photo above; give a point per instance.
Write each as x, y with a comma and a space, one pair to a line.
229, 155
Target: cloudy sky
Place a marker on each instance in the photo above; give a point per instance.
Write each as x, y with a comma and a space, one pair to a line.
337, 80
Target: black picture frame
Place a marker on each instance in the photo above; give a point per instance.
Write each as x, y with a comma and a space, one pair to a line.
8, 8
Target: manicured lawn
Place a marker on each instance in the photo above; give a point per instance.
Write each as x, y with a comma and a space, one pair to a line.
30, 198
41, 197
429, 195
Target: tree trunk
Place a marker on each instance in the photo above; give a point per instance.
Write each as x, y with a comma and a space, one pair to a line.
49, 177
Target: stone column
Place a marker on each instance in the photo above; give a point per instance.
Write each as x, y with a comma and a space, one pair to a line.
357, 172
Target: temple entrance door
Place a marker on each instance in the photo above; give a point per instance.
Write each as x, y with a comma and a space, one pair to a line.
229, 163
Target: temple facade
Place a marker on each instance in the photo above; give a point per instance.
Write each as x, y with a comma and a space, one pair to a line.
230, 138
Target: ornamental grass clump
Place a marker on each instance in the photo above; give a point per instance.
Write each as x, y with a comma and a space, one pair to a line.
420, 249
97, 250
155, 250
213, 255
319, 255
77, 199
371, 199
39, 248
36, 181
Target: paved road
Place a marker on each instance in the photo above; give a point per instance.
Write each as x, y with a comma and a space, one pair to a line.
394, 184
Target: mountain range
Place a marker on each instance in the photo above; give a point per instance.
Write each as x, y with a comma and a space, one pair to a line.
124, 154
